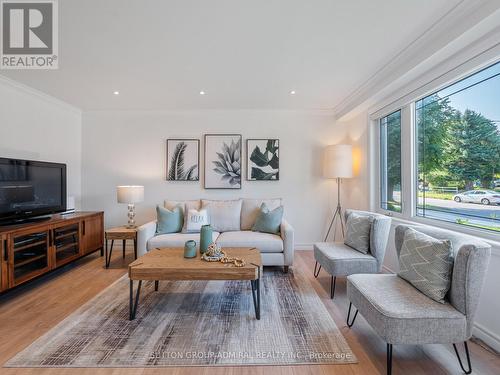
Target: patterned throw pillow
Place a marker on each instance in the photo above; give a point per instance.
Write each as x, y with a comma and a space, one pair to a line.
358, 229
426, 263
195, 220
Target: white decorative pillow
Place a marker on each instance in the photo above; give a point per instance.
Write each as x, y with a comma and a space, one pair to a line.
186, 206
195, 220
224, 216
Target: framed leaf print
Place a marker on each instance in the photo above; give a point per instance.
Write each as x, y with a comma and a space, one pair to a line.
183, 160
263, 160
222, 161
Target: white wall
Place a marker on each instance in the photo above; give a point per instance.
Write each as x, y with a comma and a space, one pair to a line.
35, 126
129, 148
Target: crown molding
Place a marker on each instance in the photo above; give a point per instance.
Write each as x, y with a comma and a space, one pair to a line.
39, 94
456, 22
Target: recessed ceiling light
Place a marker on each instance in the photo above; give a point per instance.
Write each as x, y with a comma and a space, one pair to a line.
202, 92
292, 92
116, 92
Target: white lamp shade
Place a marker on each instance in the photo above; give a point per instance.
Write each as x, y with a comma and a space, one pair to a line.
130, 194
337, 161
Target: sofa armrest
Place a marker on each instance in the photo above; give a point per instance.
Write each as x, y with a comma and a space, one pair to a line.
287, 235
144, 233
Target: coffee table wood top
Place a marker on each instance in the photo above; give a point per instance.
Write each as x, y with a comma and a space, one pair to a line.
170, 264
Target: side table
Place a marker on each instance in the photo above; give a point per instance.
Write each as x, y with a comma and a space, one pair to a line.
120, 233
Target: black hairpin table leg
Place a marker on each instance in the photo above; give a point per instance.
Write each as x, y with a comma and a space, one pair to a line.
108, 256
256, 294
134, 301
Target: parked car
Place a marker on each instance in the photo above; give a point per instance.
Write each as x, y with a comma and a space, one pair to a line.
478, 196
496, 183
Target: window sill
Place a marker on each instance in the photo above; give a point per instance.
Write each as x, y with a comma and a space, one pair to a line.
490, 238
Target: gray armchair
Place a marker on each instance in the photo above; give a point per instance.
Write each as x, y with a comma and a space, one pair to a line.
339, 259
401, 314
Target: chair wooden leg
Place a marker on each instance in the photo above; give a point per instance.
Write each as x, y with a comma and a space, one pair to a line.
469, 370
389, 359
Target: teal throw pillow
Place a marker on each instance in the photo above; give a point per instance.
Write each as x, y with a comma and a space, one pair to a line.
169, 221
268, 221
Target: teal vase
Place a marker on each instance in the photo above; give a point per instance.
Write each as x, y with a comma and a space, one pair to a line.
190, 249
205, 237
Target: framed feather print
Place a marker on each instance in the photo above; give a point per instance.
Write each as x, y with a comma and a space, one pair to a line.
183, 159
223, 161
263, 159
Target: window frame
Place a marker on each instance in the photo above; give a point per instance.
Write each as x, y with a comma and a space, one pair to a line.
385, 143
409, 167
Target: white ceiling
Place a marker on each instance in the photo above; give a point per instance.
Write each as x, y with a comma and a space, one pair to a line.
243, 54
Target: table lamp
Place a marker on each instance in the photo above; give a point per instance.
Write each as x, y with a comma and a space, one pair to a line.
130, 195
338, 165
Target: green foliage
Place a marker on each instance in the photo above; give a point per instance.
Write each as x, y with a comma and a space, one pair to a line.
439, 177
456, 149
432, 120
472, 146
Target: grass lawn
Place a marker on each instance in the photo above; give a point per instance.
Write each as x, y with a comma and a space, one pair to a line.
436, 195
489, 227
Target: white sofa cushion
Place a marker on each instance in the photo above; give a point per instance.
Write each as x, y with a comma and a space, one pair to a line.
186, 206
265, 242
224, 215
175, 240
250, 209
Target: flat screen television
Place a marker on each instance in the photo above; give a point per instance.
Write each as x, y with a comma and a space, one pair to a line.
30, 189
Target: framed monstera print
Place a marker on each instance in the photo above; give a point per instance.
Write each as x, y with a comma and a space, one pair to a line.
263, 160
223, 161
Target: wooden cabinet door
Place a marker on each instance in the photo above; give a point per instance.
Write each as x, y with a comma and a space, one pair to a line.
92, 230
66, 242
28, 255
4, 279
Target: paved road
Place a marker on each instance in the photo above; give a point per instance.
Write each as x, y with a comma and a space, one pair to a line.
451, 211
473, 208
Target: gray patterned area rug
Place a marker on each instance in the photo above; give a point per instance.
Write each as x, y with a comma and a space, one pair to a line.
195, 323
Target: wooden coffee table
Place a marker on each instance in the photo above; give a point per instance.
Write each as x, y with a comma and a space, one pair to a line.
170, 264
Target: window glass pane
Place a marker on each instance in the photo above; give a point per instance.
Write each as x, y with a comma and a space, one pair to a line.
390, 162
458, 152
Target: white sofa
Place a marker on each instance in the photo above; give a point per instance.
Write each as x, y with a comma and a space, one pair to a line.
237, 215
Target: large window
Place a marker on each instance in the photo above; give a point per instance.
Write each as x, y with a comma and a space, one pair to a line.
390, 162
458, 152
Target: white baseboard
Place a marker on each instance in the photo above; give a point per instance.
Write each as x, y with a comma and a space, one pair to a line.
488, 337
304, 246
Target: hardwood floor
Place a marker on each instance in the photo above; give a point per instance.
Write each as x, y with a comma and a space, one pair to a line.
31, 310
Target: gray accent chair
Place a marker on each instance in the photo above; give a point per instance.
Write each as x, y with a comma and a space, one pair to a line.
401, 314
338, 259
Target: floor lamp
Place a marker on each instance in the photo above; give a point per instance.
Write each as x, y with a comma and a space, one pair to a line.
337, 165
